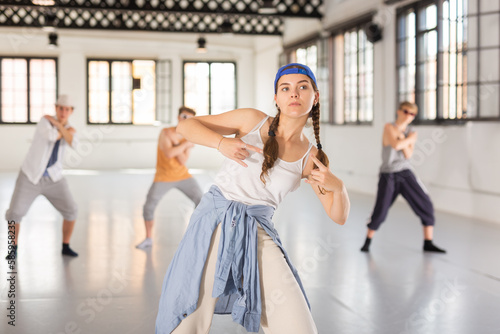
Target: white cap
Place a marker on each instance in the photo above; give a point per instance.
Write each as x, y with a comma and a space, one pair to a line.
65, 100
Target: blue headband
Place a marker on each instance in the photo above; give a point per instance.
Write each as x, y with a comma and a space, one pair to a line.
285, 70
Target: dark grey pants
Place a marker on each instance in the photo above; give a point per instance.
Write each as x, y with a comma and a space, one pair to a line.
390, 185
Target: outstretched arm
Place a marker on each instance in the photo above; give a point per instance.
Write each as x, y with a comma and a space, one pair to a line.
210, 131
335, 200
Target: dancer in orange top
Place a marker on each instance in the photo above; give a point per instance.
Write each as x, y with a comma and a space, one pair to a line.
171, 172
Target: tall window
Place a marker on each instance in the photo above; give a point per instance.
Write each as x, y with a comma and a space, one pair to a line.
452, 97
210, 87
164, 89
121, 91
28, 89
482, 57
417, 58
448, 59
353, 77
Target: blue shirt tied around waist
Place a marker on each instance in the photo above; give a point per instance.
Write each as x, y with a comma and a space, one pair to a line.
236, 259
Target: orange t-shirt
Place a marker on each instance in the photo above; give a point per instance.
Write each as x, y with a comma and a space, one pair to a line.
169, 169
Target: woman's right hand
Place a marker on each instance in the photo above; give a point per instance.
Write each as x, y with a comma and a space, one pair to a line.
236, 149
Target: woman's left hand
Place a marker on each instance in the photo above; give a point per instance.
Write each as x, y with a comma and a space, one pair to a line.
323, 177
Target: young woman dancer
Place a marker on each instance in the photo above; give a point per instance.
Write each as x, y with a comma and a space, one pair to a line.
231, 259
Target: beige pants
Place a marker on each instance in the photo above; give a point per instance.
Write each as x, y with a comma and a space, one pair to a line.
284, 308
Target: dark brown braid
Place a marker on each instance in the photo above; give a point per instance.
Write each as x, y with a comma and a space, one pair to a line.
321, 156
270, 148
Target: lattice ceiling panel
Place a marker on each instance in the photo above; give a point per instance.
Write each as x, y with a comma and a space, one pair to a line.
204, 16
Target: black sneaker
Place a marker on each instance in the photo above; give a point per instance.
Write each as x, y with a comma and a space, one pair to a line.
430, 247
68, 251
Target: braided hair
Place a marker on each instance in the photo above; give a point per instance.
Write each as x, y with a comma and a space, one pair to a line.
271, 148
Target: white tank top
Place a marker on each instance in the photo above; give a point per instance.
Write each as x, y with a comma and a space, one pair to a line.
243, 184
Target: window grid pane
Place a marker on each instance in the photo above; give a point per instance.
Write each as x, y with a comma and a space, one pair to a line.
210, 88
42, 88
457, 70
14, 90
196, 87
145, 97
164, 95
453, 61
29, 89
99, 92
357, 87
131, 99
222, 87
121, 92
338, 92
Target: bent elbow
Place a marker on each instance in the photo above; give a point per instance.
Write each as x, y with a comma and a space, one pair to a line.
182, 127
341, 221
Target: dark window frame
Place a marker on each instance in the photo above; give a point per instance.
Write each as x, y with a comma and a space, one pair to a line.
110, 111
440, 120
27, 58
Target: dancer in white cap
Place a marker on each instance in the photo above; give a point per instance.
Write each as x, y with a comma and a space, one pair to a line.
41, 174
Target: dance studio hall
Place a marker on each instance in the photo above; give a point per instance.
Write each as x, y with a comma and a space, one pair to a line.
139, 138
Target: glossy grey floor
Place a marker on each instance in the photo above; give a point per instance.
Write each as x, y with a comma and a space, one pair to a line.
114, 288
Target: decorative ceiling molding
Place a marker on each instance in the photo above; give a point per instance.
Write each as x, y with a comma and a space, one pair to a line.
199, 16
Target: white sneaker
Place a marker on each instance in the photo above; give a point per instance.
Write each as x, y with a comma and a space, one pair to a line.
147, 243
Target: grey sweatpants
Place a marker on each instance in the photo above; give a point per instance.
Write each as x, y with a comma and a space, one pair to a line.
25, 193
158, 189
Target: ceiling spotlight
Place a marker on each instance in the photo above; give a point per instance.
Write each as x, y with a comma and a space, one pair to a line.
49, 22
202, 45
53, 40
226, 27
44, 2
267, 7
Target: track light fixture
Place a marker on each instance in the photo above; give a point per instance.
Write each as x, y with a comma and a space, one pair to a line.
267, 7
226, 27
202, 45
49, 22
373, 32
53, 40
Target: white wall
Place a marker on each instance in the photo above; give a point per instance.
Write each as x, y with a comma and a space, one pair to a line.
126, 146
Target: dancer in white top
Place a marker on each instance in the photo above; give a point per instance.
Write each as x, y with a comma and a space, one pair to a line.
231, 246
